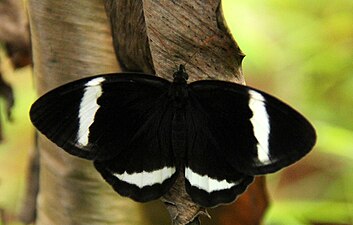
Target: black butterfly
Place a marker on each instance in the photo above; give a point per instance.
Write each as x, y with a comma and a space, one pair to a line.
141, 131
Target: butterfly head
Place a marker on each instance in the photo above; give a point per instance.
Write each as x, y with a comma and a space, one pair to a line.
180, 76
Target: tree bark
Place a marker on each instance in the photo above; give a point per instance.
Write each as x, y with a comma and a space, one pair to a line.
72, 39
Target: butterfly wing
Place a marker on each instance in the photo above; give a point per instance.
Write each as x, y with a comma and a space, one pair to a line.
210, 179
121, 122
147, 169
253, 132
96, 117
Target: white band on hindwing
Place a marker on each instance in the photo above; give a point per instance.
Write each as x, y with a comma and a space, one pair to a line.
206, 183
143, 179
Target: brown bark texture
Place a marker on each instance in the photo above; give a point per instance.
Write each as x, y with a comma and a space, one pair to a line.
14, 33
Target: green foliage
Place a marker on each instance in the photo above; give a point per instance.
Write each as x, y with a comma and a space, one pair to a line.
302, 51
18, 141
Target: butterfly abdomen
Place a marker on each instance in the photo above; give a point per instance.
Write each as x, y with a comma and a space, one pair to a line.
179, 135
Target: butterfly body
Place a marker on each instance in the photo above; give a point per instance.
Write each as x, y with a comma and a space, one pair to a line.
142, 132
178, 91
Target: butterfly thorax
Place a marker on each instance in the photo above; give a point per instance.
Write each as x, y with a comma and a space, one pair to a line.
178, 90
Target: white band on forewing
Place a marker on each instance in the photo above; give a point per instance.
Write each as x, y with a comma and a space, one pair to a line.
88, 108
261, 124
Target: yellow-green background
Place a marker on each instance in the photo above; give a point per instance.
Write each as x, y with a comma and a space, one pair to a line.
300, 51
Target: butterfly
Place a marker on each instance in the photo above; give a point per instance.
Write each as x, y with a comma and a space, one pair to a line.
143, 131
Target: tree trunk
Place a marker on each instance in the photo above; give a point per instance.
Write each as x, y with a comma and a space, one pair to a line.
72, 39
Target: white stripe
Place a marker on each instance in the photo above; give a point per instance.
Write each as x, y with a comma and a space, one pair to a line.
88, 108
144, 178
206, 183
261, 124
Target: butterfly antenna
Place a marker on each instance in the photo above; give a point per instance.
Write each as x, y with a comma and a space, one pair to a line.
191, 57
203, 44
182, 66
162, 42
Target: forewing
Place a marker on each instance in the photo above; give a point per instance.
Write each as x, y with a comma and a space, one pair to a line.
253, 132
97, 117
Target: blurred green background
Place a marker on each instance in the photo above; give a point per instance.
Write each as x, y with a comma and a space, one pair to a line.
300, 51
